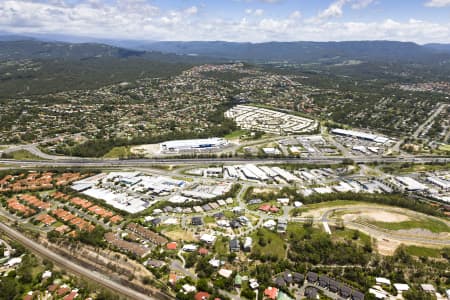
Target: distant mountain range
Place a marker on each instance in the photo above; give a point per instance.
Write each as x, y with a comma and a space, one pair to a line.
44, 64
41, 67
439, 47
307, 52
40, 46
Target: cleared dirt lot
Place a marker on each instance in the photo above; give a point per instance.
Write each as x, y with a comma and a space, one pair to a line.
377, 216
389, 226
180, 234
147, 150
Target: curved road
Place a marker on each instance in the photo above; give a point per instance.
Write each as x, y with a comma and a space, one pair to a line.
64, 262
380, 232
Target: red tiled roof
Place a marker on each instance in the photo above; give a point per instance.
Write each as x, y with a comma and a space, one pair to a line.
271, 292
203, 251
202, 296
172, 246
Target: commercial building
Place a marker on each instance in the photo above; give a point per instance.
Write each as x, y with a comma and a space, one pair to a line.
411, 184
361, 135
192, 145
441, 183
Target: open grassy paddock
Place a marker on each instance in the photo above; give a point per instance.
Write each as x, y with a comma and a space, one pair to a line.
268, 243
118, 152
432, 225
423, 251
23, 155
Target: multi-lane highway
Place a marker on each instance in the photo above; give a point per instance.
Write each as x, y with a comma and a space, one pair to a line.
92, 162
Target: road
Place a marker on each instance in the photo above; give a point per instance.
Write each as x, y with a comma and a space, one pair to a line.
384, 233
33, 149
430, 119
72, 267
419, 130
89, 162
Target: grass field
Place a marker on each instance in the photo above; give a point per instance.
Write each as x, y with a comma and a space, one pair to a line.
175, 232
221, 246
444, 148
118, 152
236, 134
24, 155
422, 251
209, 219
351, 234
334, 203
326, 204
432, 225
274, 244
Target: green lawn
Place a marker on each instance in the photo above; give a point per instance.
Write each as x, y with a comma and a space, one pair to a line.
23, 155
444, 148
349, 234
327, 204
229, 214
295, 229
118, 152
221, 246
432, 225
422, 251
236, 134
274, 245
209, 219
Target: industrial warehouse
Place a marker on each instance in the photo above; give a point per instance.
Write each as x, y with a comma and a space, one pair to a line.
361, 135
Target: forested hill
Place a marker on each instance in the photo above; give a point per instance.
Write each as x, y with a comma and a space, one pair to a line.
32, 49
29, 67
307, 52
35, 49
439, 47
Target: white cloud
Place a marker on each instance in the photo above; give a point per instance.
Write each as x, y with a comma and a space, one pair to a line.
191, 10
137, 19
333, 10
259, 12
360, 4
270, 1
295, 15
437, 3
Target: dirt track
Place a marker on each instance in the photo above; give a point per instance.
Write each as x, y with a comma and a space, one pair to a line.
387, 240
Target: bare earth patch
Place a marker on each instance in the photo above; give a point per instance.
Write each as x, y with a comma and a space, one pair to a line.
377, 216
318, 212
182, 235
387, 247
147, 150
424, 232
260, 190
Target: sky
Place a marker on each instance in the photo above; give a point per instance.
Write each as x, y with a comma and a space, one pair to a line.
420, 21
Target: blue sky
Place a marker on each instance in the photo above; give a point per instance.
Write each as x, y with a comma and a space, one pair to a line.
420, 21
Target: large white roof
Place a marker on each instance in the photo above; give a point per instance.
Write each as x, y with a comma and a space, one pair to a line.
361, 135
193, 143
